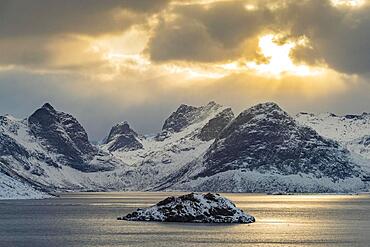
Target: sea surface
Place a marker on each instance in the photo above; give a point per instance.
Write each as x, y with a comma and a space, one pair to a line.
89, 219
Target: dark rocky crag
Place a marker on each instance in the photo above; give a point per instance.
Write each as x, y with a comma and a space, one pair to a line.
62, 134
264, 149
214, 126
266, 138
193, 208
123, 137
187, 115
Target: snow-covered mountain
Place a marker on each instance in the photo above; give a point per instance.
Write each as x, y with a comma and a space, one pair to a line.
122, 137
185, 135
50, 150
351, 131
265, 149
198, 148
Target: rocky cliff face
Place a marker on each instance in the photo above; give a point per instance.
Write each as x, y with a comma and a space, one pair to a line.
200, 148
122, 137
186, 134
264, 149
266, 138
181, 118
61, 133
214, 126
186, 116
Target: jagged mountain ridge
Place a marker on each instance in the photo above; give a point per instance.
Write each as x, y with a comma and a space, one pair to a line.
50, 151
45, 151
189, 142
61, 133
173, 148
265, 143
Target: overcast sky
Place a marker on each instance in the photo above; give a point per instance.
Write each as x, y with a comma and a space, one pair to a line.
111, 61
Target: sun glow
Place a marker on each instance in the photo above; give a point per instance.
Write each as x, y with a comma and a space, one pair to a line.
122, 53
348, 3
279, 60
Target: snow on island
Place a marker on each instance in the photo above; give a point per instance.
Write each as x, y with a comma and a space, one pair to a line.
193, 208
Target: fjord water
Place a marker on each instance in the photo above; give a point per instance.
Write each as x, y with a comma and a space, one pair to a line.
89, 219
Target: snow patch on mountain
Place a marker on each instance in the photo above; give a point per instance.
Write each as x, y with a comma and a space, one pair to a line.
11, 188
242, 180
340, 128
351, 131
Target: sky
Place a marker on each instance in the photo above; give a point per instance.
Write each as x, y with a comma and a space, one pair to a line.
111, 61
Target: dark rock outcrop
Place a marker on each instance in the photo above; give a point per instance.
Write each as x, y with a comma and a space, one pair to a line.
184, 117
214, 126
195, 208
265, 138
61, 133
181, 118
123, 137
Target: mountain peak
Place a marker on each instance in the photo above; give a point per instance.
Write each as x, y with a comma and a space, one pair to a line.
48, 106
267, 106
62, 133
212, 103
186, 115
265, 137
185, 108
122, 128
122, 136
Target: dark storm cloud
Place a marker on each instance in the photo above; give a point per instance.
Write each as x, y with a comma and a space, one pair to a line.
207, 34
26, 51
29, 30
91, 17
339, 36
185, 39
220, 31
229, 23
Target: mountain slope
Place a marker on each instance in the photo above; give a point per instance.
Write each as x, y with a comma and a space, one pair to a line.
340, 128
351, 131
11, 188
50, 150
61, 133
199, 148
179, 142
265, 149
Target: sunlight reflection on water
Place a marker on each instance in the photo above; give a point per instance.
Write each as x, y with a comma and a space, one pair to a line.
89, 219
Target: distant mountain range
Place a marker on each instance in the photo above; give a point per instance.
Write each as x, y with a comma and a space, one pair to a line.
205, 148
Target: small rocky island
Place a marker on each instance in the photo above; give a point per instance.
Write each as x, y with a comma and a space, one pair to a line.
193, 208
